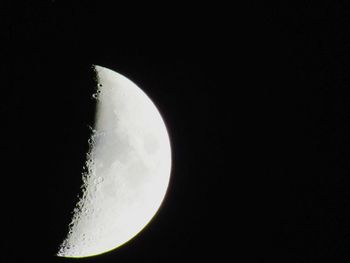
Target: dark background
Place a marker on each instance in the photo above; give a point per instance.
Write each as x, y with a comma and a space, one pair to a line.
175, 54
256, 100
298, 118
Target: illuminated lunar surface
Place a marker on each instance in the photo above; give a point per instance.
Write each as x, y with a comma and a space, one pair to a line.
127, 169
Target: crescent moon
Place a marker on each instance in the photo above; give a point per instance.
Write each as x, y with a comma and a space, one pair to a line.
127, 170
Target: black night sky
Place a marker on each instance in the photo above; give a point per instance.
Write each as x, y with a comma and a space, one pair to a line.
297, 115
256, 101
47, 52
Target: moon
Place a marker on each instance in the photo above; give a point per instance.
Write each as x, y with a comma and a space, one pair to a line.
127, 169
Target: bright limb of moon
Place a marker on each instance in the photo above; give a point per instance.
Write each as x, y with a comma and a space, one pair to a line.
127, 169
